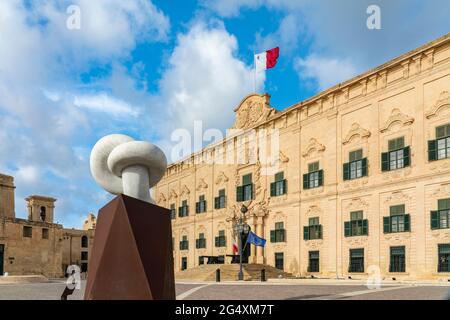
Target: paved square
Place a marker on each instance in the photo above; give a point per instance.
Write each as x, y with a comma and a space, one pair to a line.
246, 290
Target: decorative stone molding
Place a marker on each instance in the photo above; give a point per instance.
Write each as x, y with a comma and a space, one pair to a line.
313, 146
162, 199
356, 131
395, 117
279, 216
172, 194
443, 191
282, 157
185, 191
356, 204
397, 197
221, 178
253, 109
314, 244
397, 174
314, 210
443, 102
202, 185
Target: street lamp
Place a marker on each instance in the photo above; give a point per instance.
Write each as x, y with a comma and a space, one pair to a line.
239, 228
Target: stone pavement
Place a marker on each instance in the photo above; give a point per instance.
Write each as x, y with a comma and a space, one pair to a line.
250, 291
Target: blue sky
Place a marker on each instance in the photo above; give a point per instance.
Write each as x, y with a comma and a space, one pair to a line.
145, 68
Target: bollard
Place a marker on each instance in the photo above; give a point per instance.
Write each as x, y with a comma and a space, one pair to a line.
263, 275
218, 275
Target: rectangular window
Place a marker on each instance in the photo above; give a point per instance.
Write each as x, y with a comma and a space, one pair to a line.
277, 235
183, 211
44, 233
398, 221
314, 262
27, 232
356, 167
397, 157
356, 263
440, 148
440, 219
184, 243
314, 177
313, 230
200, 206
396, 144
173, 211
279, 260
220, 201
183, 263
278, 187
443, 258
84, 255
221, 240
245, 192
397, 262
357, 226
201, 241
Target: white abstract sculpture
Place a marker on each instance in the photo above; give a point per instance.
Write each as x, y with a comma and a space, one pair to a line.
121, 165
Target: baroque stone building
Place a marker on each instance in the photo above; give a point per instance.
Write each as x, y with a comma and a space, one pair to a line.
361, 182
37, 245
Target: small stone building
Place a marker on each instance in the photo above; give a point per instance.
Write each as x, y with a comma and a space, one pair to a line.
37, 245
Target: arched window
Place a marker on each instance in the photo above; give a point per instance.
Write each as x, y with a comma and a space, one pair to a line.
84, 241
42, 214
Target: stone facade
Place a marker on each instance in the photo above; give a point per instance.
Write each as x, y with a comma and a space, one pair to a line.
37, 245
406, 98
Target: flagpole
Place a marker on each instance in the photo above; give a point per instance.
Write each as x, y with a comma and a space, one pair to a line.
254, 72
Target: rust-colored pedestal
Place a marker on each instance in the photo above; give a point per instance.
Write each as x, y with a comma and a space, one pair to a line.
132, 254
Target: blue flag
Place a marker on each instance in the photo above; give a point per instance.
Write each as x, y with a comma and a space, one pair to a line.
254, 239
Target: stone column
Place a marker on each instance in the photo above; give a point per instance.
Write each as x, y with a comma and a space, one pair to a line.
260, 259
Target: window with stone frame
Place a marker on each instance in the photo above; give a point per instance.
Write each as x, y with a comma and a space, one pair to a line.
397, 221
439, 148
397, 157
356, 167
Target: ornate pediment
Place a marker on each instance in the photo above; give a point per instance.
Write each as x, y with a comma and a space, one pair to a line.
443, 102
313, 146
221, 178
253, 110
172, 194
161, 198
185, 191
202, 184
357, 204
396, 117
356, 132
314, 210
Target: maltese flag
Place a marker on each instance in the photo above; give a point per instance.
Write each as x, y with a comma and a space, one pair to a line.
266, 60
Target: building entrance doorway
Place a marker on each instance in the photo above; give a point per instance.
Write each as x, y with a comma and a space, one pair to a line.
2, 250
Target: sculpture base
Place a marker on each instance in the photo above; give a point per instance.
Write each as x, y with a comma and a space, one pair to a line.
131, 258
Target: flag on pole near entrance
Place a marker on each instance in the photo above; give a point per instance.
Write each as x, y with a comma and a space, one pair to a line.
254, 239
267, 59
235, 247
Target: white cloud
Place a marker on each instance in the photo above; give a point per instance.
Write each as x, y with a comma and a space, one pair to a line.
28, 175
325, 71
106, 104
205, 80
41, 63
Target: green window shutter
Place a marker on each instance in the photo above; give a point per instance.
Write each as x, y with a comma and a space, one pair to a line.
407, 222
347, 229
197, 207
407, 156
346, 171
216, 240
387, 224
365, 228
320, 177
306, 233
432, 150
385, 161
239, 194
216, 203
283, 234
364, 167
434, 219
197, 243
285, 186
205, 205
180, 211
320, 231
251, 191
305, 181
272, 236
272, 189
